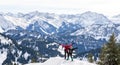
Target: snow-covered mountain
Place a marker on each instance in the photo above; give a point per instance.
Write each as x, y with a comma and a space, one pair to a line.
49, 22
90, 26
36, 31
88, 23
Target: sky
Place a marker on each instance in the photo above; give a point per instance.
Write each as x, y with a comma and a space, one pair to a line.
106, 7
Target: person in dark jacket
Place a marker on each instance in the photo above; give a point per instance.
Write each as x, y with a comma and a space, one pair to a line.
70, 52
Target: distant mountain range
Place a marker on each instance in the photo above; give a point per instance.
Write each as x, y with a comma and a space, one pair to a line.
89, 23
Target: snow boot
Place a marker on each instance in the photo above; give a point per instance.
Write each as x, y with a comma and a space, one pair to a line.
67, 59
71, 59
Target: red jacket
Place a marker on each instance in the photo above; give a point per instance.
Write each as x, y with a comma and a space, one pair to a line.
67, 47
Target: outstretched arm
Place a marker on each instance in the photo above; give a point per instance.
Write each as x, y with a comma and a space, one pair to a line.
75, 48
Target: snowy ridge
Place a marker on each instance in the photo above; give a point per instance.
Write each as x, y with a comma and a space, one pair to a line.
17, 21
61, 61
5, 24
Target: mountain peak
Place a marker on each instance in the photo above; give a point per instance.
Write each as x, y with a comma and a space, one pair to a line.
89, 18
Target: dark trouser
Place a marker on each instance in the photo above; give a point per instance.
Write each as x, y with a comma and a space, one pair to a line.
66, 54
70, 55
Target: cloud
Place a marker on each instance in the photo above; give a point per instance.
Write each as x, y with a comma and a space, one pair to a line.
108, 7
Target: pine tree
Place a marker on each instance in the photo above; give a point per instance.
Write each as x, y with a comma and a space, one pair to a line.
109, 54
90, 57
118, 46
102, 55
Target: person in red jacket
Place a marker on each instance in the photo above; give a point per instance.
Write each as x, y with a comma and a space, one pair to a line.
66, 49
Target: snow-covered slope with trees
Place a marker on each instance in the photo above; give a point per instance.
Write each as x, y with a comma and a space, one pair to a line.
13, 53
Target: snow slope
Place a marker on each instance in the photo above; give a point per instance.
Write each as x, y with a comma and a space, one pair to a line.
3, 56
61, 61
5, 24
17, 21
